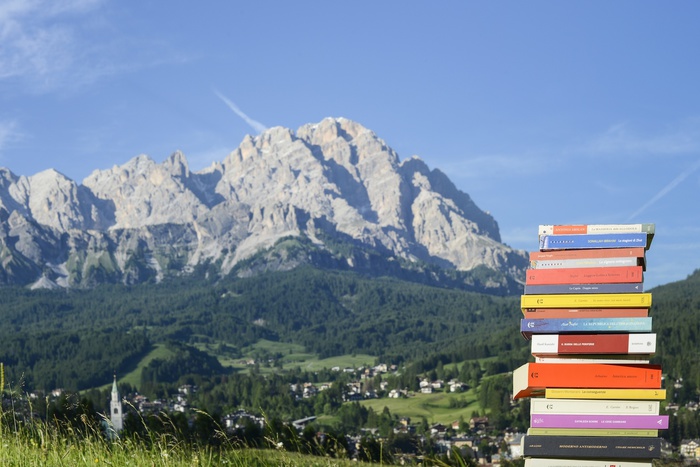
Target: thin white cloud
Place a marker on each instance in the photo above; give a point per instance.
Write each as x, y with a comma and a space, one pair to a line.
50, 45
39, 41
489, 167
680, 138
8, 133
665, 190
254, 124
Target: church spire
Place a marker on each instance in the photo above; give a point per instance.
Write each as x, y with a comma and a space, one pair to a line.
115, 408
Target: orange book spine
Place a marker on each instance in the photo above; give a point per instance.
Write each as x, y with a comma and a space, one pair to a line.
533, 378
607, 275
544, 313
636, 252
569, 229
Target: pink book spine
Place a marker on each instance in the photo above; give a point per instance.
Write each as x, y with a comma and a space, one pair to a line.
643, 422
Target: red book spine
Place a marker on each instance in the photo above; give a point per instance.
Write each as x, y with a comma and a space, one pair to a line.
636, 343
606, 275
533, 378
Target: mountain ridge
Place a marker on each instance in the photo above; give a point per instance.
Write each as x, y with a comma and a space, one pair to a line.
144, 221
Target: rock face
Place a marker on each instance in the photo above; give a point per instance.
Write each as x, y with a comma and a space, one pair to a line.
328, 184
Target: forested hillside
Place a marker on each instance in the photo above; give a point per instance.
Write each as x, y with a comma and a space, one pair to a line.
77, 339
83, 336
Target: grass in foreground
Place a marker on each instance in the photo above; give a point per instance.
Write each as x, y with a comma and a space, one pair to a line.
40, 445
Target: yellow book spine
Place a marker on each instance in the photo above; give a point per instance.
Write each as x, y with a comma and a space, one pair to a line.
591, 432
580, 393
594, 300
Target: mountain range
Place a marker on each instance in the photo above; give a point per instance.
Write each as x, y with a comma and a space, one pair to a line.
332, 195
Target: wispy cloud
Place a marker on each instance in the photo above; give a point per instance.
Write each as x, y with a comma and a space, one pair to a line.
621, 138
40, 39
665, 190
8, 133
489, 167
49, 45
254, 124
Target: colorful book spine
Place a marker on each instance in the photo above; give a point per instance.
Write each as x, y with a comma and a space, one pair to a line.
605, 275
528, 327
614, 343
635, 422
582, 229
613, 359
539, 313
577, 242
532, 379
586, 263
591, 432
600, 447
594, 406
605, 393
615, 300
559, 255
558, 289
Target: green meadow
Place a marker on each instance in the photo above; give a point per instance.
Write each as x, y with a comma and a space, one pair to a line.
435, 408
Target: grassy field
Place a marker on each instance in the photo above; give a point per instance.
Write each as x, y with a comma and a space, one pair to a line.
292, 356
341, 361
134, 377
434, 407
40, 446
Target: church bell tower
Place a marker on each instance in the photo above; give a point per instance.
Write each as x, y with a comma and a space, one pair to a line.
115, 408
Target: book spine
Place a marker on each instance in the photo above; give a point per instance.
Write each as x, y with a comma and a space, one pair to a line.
635, 422
605, 393
559, 289
604, 275
528, 327
578, 229
533, 379
637, 343
615, 300
585, 263
591, 432
614, 359
553, 462
600, 447
576, 242
559, 255
594, 406
539, 313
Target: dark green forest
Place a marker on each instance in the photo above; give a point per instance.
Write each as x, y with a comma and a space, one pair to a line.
86, 335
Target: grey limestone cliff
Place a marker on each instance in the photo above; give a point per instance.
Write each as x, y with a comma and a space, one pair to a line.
334, 180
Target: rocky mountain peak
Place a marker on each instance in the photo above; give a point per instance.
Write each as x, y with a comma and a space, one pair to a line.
331, 182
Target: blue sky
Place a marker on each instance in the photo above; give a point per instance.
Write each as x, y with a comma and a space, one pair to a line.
543, 112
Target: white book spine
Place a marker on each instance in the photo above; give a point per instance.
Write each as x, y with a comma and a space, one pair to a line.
583, 263
594, 406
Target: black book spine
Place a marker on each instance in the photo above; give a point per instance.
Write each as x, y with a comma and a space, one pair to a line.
604, 447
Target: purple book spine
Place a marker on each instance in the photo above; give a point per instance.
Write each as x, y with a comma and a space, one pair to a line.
644, 422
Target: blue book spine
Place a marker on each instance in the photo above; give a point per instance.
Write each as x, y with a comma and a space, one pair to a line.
583, 241
584, 325
554, 289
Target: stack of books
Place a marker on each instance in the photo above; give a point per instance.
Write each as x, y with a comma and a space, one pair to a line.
594, 396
